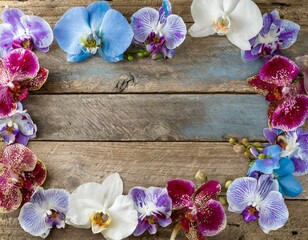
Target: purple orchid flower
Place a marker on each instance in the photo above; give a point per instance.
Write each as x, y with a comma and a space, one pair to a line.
20, 73
154, 208
276, 34
198, 211
23, 31
280, 82
294, 145
18, 127
161, 31
46, 210
258, 199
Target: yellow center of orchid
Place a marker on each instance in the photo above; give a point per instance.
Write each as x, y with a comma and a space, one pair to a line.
222, 25
26, 43
100, 220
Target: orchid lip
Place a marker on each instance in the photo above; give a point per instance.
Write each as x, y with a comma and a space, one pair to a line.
222, 25
90, 43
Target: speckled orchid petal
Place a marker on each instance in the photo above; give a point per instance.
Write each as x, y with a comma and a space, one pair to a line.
21, 64
37, 82
260, 86
19, 158
38, 175
280, 71
143, 22
7, 106
240, 193
10, 199
290, 114
180, 191
174, 31
207, 191
39, 30
211, 218
273, 212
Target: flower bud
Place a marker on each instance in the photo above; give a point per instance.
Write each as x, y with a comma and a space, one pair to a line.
222, 200
130, 58
258, 145
232, 141
140, 54
245, 141
201, 176
228, 183
239, 148
247, 153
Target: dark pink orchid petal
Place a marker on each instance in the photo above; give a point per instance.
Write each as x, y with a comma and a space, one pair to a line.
38, 176
7, 106
279, 71
260, 86
207, 191
180, 191
21, 64
19, 158
26, 195
211, 218
290, 114
18, 93
37, 82
10, 199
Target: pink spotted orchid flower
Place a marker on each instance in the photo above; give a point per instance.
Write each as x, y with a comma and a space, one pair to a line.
197, 211
20, 173
283, 87
20, 73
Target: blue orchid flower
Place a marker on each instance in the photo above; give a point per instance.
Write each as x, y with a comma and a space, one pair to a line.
266, 161
84, 31
288, 184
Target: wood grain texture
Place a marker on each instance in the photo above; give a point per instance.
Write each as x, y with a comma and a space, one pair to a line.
146, 117
146, 164
200, 65
294, 10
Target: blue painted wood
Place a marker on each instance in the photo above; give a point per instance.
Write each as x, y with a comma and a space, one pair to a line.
148, 117
200, 65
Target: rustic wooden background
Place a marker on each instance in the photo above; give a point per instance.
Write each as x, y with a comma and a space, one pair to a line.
152, 120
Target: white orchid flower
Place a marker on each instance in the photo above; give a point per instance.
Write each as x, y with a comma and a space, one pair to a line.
103, 208
239, 20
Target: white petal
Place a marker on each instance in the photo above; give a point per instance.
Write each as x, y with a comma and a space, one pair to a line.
196, 31
112, 188
229, 5
240, 193
236, 39
273, 212
246, 20
124, 219
83, 201
204, 12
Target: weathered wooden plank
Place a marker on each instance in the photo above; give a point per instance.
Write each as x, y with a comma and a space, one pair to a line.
200, 65
146, 164
52, 10
148, 117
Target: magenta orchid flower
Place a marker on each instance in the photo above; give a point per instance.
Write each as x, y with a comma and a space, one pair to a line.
20, 173
258, 200
45, 210
280, 82
161, 31
23, 31
19, 73
197, 210
276, 34
154, 208
17, 127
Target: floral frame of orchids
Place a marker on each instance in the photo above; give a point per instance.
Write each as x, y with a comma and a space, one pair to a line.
274, 166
